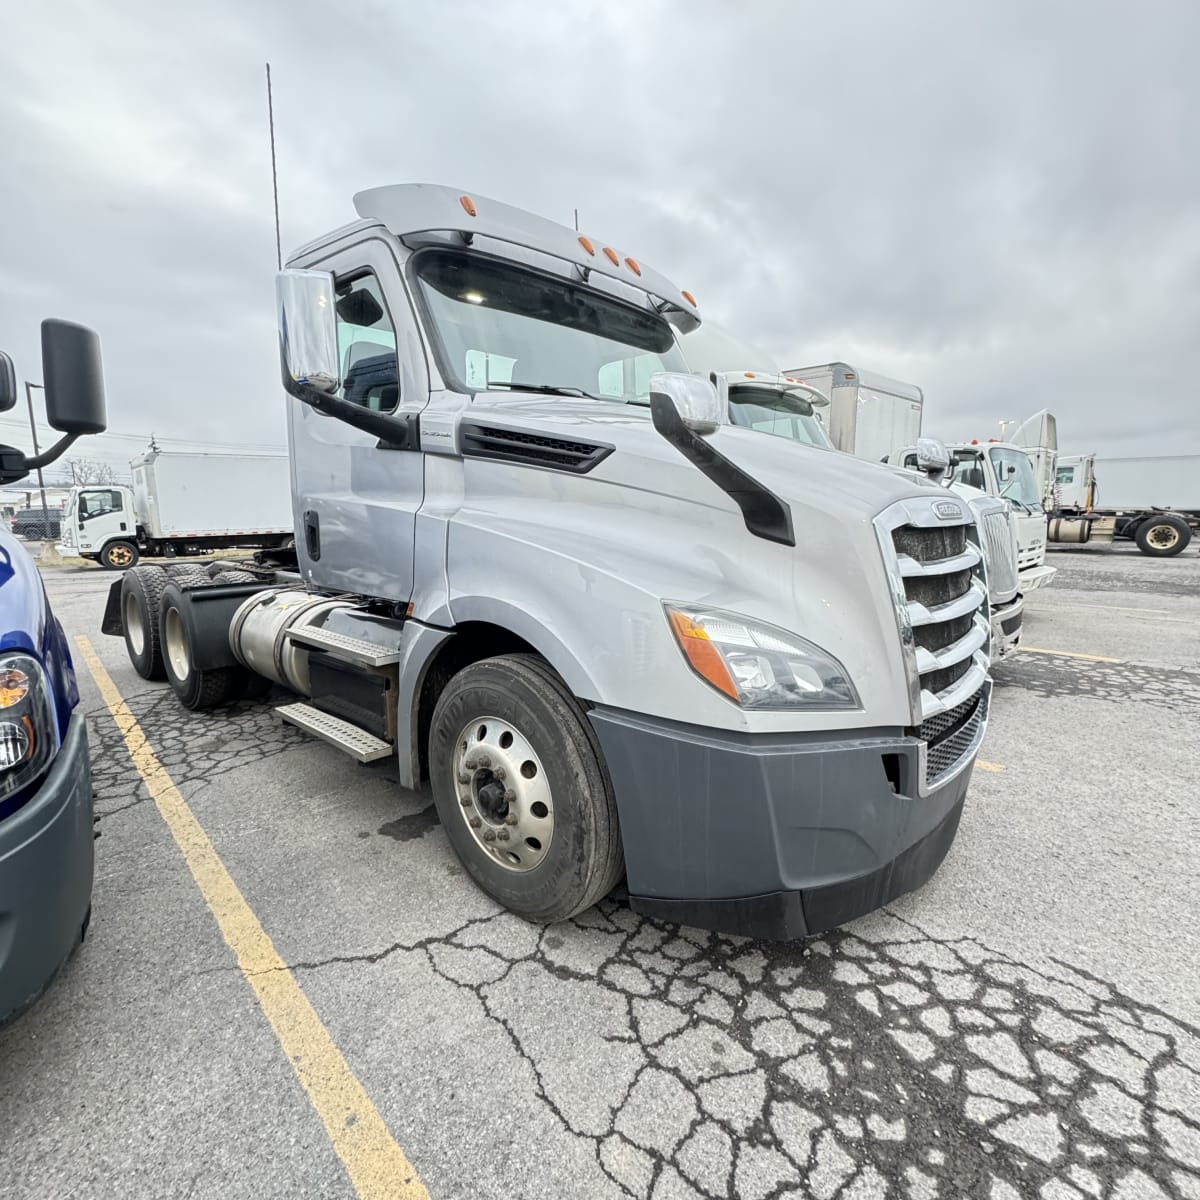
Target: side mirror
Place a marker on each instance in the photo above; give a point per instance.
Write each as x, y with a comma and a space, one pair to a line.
694, 400
932, 456
307, 332
8, 382
73, 378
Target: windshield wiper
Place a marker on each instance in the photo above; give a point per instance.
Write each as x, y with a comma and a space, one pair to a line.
546, 389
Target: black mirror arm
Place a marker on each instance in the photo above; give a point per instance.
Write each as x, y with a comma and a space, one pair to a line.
396, 433
56, 451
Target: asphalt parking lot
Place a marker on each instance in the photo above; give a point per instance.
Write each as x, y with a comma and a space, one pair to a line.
1028, 1024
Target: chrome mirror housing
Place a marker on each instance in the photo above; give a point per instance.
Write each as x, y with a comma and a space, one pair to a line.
933, 459
307, 332
693, 398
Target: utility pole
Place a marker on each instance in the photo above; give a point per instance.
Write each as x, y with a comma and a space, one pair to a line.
33, 429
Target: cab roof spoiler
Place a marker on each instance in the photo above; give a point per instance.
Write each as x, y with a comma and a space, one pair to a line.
411, 209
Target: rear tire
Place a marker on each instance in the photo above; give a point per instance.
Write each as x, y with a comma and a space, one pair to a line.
196, 689
1163, 536
119, 556
141, 598
562, 771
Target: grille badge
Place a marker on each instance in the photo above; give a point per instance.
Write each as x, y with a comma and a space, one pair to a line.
947, 510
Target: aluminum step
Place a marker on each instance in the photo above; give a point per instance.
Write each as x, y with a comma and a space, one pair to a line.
356, 742
349, 649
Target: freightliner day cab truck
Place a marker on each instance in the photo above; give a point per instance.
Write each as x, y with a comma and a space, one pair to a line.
46, 837
619, 635
1152, 501
181, 504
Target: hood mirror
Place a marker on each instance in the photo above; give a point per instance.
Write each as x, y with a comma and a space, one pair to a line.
694, 400
933, 459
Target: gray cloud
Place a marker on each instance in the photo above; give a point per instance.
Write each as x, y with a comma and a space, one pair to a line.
996, 203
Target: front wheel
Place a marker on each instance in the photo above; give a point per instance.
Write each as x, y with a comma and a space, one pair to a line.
1163, 536
119, 556
521, 789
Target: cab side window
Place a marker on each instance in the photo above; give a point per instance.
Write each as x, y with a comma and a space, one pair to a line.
366, 344
96, 504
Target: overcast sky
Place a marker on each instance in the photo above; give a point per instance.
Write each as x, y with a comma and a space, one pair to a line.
998, 202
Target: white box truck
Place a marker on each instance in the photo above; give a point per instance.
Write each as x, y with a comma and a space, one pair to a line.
1153, 501
181, 503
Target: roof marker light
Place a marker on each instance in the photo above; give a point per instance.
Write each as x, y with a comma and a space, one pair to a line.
748, 374
586, 244
633, 266
468, 205
612, 256
689, 298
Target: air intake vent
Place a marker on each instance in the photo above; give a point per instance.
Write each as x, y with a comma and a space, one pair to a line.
531, 449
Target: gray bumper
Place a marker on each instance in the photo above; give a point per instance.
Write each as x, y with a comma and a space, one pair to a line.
1006, 627
775, 836
46, 861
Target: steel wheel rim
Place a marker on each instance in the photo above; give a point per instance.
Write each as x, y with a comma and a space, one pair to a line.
175, 637
135, 631
503, 794
1163, 537
120, 556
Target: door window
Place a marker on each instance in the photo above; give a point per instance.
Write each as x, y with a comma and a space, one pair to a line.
366, 344
98, 503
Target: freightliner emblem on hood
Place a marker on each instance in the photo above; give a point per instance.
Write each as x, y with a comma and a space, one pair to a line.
947, 510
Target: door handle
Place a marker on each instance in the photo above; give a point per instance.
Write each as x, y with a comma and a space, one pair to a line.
312, 534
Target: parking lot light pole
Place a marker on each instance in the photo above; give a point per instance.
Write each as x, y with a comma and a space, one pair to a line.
33, 429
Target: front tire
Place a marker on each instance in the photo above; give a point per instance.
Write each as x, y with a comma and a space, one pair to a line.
119, 556
522, 791
141, 597
1163, 536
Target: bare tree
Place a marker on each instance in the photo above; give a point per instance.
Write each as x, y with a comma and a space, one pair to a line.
90, 471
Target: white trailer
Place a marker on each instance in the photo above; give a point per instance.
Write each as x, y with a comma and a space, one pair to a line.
182, 503
1153, 501
869, 414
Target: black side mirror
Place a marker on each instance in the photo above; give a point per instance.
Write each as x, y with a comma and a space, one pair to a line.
8, 382
73, 378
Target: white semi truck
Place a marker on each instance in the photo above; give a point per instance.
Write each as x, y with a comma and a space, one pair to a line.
181, 503
1153, 501
536, 566
879, 419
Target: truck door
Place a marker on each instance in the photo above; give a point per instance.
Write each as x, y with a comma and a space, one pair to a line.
354, 500
99, 515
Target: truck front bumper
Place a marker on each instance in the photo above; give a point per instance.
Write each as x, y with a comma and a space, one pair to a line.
1032, 578
47, 857
1006, 627
777, 836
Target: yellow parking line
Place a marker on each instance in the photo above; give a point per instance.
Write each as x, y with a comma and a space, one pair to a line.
988, 766
377, 1166
1069, 654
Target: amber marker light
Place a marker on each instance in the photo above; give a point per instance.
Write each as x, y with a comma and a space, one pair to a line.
703, 656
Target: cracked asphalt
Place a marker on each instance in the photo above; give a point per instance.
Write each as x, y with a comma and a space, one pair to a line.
1027, 1025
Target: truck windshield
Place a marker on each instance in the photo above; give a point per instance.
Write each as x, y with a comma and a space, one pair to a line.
501, 324
1014, 472
786, 414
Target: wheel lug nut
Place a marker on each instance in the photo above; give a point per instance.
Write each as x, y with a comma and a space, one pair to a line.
503, 835
464, 777
489, 835
475, 822
509, 796
511, 819
484, 760
465, 802
470, 762
498, 773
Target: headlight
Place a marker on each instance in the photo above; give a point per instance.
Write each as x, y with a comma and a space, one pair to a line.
759, 665
28, 735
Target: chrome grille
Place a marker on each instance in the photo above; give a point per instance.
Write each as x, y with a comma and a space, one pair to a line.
936, 567
999, 548
950, 736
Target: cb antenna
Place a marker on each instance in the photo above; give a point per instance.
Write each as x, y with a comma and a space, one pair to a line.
274, 174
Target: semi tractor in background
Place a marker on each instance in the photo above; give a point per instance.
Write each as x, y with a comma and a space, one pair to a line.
536, 564
1153, 501
181, 503
47, 853
880, 419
